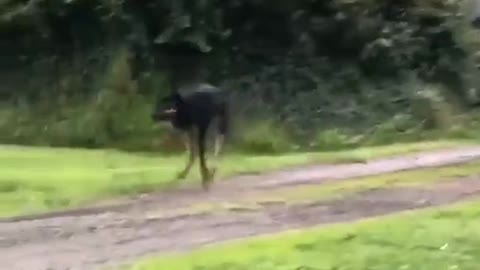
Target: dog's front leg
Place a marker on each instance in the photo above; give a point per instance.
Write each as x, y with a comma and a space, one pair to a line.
192, 151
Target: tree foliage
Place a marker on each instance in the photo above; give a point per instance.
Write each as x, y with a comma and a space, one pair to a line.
412, 32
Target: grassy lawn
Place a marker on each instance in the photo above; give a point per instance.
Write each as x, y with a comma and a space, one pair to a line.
442, 238
42, 179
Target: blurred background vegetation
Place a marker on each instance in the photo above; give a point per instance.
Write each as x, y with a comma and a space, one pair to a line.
306, 74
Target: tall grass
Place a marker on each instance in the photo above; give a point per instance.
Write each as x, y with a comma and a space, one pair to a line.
117, 114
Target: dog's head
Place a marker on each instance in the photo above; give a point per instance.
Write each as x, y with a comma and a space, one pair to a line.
166, 107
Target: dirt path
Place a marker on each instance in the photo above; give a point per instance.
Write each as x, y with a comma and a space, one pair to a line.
103, 236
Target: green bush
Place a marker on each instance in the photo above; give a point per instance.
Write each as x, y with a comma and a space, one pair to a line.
334, 139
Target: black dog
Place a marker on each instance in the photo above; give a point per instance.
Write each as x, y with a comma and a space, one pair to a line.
192, 114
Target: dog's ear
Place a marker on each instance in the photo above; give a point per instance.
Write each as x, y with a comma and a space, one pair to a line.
172, 97
165, 99
177, 98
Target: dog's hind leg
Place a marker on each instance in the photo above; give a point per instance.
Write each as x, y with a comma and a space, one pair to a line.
201, 143
222, 128
190, 146
219, 141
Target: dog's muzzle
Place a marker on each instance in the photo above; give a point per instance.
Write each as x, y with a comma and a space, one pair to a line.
165, 115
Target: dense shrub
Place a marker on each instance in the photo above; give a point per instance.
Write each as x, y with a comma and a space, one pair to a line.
87, 73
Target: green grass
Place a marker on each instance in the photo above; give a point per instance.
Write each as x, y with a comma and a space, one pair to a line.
36, 179
441, 238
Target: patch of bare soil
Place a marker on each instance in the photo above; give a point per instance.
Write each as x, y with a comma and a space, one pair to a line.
91, 239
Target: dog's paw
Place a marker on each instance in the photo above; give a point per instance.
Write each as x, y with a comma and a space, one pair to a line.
207, 178
181, 175
212, 173
206, 185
